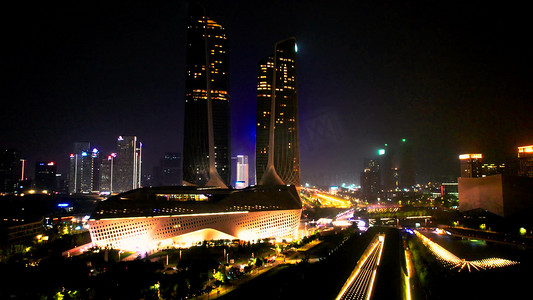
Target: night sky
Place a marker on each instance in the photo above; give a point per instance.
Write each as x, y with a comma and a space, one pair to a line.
451, 77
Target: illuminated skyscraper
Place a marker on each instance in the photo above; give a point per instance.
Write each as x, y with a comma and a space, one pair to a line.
242, 171
45, 176
277, 107
83, 169
106, 173
127, 164
206, 144
11, 170
371, 180
525, 160
471, 165
406, 164
168, 172
398, 166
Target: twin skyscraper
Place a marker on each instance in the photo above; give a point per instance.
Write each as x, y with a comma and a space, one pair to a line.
207, 147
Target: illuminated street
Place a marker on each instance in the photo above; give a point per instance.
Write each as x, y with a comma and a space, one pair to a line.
360, 283
332, 201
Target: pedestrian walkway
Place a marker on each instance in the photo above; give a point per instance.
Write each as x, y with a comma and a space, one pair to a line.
220, 291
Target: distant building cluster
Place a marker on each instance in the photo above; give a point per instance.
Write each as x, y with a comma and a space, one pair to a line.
119, 171
393, 170
502, 189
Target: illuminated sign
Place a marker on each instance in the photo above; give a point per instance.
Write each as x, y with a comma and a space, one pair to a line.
381, 152
470, 156
63, 205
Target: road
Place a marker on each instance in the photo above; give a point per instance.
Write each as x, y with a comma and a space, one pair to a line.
359, 284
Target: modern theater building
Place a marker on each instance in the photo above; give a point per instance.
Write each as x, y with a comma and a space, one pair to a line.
148, 218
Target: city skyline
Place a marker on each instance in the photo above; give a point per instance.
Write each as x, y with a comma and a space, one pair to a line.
451, 78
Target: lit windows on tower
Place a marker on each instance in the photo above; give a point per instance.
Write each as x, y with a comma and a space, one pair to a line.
471, 166
525, 160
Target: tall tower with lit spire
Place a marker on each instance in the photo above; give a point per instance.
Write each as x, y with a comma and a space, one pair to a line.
277, 142
206, 144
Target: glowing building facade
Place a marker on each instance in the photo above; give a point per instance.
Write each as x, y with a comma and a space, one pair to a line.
242, 171
127, 164
11, 170
154, 217
206, 101
471, 166
371, 180
83, 169
525, 161
45, 176
277, 106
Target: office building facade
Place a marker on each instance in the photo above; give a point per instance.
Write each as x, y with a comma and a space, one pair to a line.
471, 165
371, 180
83, 169
11, 170
525, 161
45, 176
168, 172
242, 171
127, 164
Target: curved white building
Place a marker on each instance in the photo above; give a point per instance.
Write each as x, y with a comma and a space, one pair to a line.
147, 218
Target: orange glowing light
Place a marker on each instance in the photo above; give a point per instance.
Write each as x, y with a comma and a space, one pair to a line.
525, 149
471, 156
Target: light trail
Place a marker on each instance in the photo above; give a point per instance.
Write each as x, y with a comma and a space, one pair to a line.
359, 285
333, 201
451, 261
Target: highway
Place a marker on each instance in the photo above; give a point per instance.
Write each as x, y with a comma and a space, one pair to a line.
359, 284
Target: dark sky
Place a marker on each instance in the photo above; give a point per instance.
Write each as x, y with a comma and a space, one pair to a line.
451, 77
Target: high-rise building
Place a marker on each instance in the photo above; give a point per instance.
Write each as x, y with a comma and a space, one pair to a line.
83, 170
206, 144
398, 168
525, 161
242, 171
371, 180
168, 172
471, 166
106, 173
127, 164
277, 108
45, 176
489, 169
406, 164
390, 170
11, 170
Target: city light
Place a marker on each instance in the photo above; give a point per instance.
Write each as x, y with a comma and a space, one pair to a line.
453, 262
525, 149
330, 201
360, 283
471, 156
